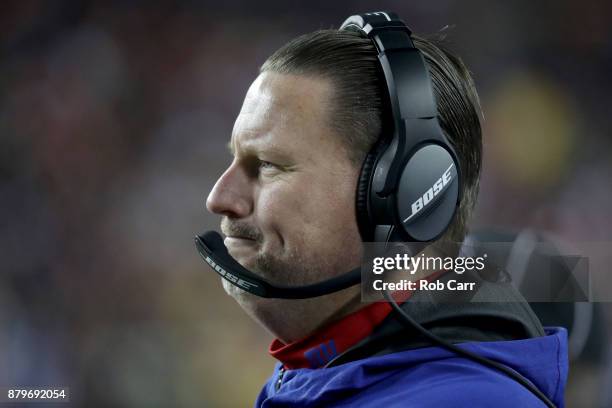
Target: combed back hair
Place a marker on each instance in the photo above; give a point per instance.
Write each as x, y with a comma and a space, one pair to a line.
358, 109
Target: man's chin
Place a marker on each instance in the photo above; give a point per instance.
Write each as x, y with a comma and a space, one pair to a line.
240, 295
255, 306
232, 290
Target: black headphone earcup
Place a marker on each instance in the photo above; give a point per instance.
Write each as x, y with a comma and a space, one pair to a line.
428, 193
366, 229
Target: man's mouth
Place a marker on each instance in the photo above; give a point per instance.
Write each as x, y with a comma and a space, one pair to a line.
239, 231
236, 241
239, 237
241, 248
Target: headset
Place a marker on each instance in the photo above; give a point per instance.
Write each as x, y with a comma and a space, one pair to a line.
410, 181
409, 186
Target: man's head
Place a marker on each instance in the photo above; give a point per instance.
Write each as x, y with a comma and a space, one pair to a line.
288, 198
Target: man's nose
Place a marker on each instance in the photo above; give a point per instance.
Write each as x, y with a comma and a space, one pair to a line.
231, 195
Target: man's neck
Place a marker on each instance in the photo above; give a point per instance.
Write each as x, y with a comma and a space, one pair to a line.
301, 318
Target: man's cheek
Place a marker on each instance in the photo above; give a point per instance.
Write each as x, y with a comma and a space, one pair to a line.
282, 205
275, 214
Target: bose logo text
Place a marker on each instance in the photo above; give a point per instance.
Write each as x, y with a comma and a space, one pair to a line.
433, 191
229, 276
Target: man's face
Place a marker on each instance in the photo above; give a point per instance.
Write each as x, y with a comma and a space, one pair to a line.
287, 199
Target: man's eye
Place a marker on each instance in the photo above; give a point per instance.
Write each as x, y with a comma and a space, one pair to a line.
264, 165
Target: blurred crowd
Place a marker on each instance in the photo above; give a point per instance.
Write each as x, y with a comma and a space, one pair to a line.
114, 118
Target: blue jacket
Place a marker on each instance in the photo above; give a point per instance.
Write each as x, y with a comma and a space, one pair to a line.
429, 377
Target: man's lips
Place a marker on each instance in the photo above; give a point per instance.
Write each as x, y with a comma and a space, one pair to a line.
240, 248
233, 240
239, 237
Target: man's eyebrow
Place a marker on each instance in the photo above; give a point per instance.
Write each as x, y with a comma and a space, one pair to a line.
258, 149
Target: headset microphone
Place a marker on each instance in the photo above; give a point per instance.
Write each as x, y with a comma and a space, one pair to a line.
214, 252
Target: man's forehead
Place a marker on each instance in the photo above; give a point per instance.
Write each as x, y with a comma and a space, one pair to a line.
290, 103
288, 90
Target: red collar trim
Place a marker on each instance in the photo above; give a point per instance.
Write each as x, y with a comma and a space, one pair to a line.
319, 348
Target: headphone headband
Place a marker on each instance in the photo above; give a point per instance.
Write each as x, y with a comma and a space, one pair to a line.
370, 23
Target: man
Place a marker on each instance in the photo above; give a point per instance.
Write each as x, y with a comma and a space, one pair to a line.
288, 205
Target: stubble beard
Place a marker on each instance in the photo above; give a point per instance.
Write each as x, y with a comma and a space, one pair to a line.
293, 269
285, 317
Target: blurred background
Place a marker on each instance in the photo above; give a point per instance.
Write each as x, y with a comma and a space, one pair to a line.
114, 117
